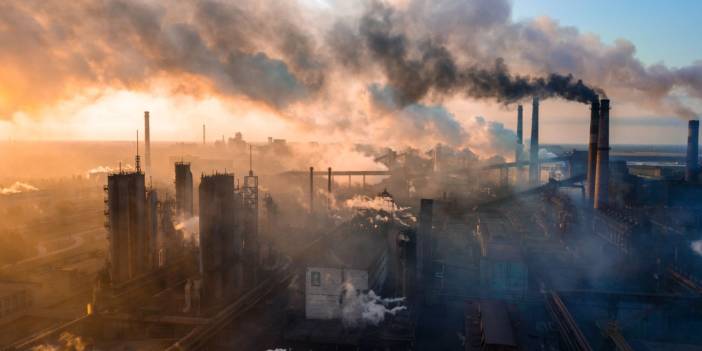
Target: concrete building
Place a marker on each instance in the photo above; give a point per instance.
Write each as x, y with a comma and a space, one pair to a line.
220, 248
184, 190
127, 223
358, 262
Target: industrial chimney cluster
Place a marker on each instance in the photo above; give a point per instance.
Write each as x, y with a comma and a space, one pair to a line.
140, 227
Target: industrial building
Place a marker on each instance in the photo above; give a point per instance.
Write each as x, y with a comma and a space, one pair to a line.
603, 253
220, 246
358, 262
184, 190
128, 227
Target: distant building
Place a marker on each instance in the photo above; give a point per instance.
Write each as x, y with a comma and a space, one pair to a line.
237, 142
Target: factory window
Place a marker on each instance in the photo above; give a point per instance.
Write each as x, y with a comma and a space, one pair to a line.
316, 279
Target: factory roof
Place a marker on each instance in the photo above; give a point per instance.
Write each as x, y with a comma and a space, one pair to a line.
497, 326
355, 246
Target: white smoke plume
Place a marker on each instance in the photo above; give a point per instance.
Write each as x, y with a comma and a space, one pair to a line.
66, 342
402, 215
101, 169
696, 247
361, 309
189, 227
378, 203
18, 187
107, 169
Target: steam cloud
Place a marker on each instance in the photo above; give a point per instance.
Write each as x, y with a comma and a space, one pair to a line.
67, 341
696, 247
189, 228
17, 187
360, 309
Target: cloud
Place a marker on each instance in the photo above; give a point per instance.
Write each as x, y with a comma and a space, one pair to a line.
372, 71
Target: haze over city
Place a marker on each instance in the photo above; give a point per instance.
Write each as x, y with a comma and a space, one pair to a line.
350, 175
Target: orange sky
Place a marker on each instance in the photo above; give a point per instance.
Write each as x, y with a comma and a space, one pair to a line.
87, 71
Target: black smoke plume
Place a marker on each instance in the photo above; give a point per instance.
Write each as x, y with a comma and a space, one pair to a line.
434, 70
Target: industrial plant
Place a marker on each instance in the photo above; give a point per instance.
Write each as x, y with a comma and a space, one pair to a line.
323, 175
589, 248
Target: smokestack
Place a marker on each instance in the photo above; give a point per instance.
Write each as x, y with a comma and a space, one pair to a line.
147, 144
692, 165
329, 180
203, 134
311, 190
592, 149
137, 159
520, 133
602, 172
329, 186
534, 169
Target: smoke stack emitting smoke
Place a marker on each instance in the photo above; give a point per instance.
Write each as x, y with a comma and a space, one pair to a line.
435, 70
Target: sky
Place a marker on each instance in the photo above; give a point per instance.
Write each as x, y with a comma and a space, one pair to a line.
663, 31
332, 70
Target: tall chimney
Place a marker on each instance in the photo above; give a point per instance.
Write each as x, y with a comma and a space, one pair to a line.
693, 164
534, 168
329, 180
520, 134
147, 144
203, 134
311, 190
592, 149
602, 172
